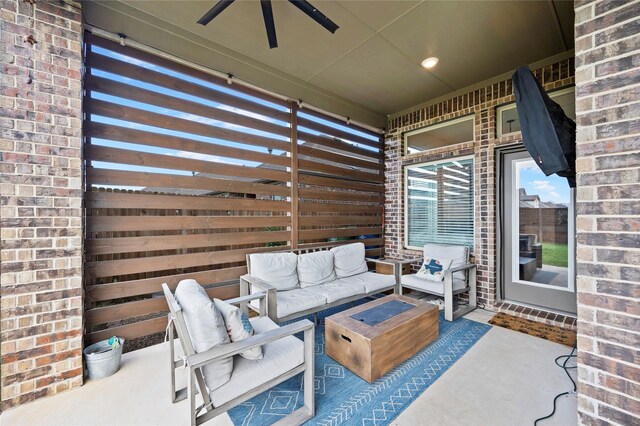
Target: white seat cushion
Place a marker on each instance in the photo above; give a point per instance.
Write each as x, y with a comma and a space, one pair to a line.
292, 301
371, 281
336, 290
349, 260
459, 255
279, 357
277, 269
427, 286
315, 268
206, 329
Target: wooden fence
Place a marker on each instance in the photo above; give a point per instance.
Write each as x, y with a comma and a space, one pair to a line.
185, 175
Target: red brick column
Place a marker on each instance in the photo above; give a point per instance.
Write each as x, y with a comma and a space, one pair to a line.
608, 211
41, 203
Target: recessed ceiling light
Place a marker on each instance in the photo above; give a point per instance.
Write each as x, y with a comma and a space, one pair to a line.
430, 62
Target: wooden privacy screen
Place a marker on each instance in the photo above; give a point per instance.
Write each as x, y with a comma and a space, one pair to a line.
186, 174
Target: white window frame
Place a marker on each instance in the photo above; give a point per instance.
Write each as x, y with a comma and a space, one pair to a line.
406, 196
405, 142
510, 106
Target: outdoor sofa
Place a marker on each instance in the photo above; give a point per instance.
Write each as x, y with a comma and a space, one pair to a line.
303, 282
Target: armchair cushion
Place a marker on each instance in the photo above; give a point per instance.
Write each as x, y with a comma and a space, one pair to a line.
337, 290
238, 327
349, 259
293, 301
206, 329
459, 255
371, 281
279, 357
431, 287
315, 268
433, 269
276, 269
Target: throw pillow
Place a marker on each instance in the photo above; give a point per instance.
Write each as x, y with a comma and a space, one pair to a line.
238, 326
434, 269
206, 329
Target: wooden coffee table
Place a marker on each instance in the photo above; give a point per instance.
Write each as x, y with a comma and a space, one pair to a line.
373, 338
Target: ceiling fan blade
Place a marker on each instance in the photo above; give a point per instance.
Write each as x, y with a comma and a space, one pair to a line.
214, 11
316, 15
269, 25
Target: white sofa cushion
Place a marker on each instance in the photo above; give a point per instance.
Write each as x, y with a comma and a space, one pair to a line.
293, 301
206, 329
349, 260
432, 287
371, 281
459, 255
238, 327
280, 356
315, 268
276, 269
336, 290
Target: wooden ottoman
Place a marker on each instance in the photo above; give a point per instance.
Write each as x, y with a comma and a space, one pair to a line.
373, 338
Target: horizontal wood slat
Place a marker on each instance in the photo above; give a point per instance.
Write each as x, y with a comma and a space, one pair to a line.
309, 207
316, 153
369, 242
335, 132
334, 120
338, 144
126, 200
110, 268
312, 234
343, 172
339, 220
127, 91
175, 66
140, 137
307, 179
320, 194
168, 122
95, 246
118, 290
167, 223
157, 180
152, 305
125, 156
129, 331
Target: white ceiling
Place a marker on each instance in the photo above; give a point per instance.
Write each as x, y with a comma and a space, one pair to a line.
371, 65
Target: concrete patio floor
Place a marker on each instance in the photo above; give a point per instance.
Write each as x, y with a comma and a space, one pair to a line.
507, 378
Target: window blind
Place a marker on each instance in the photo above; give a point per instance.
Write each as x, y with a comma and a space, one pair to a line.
440, 203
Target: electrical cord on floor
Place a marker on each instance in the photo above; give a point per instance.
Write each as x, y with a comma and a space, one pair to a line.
566, 370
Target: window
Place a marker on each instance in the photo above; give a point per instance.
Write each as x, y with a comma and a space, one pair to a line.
439, 203
509, 122
439, 135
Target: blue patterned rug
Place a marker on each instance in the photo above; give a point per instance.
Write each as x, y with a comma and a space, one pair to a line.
344, 398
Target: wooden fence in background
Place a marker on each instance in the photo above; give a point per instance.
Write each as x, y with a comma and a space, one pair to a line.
186, 174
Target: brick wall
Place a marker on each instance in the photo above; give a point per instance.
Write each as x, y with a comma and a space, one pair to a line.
482, 104
40, 151
608, 211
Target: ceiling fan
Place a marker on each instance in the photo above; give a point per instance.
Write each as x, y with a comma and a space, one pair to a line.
267, 14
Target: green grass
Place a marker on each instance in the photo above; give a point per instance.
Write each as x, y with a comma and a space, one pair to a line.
555, 254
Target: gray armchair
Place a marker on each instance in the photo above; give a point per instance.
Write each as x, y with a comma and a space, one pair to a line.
460, 278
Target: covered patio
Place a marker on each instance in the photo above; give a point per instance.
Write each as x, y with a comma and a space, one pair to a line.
360, 178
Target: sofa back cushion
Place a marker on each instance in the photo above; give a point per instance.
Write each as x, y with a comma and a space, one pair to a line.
349, 260
206, 329
315, 268
276, 269
459, 255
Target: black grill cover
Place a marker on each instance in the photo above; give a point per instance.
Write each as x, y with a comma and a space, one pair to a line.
547, 133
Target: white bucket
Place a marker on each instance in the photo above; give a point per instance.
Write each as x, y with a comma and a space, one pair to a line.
102, 361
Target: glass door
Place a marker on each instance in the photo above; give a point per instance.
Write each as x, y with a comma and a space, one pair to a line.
538, 235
